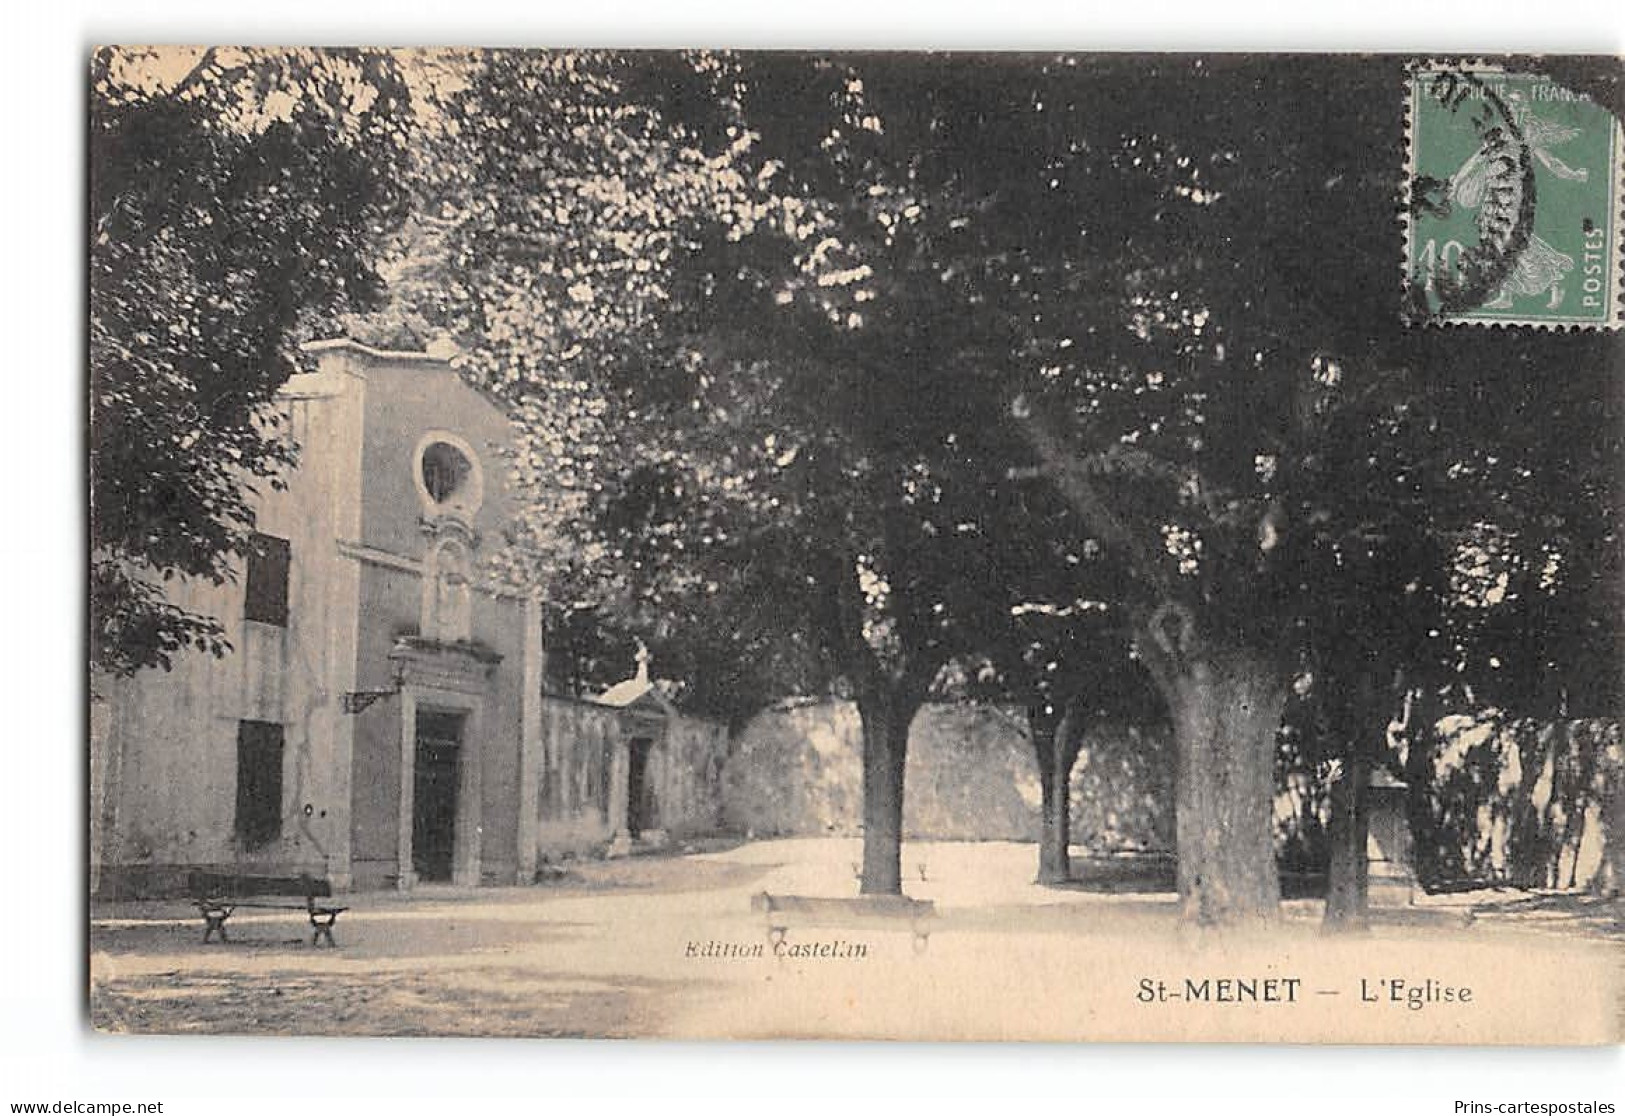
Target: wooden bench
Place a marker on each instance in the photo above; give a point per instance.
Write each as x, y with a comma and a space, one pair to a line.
217, 894
781, 910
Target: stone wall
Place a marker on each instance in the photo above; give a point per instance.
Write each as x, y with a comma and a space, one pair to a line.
573, 794
686, 774
796, 770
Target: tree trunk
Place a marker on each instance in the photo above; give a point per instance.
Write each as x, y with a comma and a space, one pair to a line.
1226, 705
1349, 871
1056, 742
1367, 706
1610, 878
886, 715
1421, 751
1531, 861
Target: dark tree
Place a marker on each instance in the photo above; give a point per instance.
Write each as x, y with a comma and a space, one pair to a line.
236, 196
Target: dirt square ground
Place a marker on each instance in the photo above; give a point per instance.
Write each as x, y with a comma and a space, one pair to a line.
669, 946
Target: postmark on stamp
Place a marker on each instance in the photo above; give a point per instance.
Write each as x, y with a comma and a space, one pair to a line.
1513, 201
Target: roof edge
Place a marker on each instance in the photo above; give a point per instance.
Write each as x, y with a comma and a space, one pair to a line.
333, 344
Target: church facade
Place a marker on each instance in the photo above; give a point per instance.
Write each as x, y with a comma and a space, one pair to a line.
381, 718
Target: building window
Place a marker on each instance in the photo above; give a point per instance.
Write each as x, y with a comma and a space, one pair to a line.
259, 783
446, 471
267, 599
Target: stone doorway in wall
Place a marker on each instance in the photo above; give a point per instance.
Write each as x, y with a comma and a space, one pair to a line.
434, 795
640, 803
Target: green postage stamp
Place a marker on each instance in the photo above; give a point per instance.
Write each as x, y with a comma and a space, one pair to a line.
1513, 201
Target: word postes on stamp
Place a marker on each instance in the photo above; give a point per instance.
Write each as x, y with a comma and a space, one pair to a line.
1513, 201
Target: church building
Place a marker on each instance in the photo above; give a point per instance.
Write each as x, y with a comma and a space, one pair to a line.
381, 718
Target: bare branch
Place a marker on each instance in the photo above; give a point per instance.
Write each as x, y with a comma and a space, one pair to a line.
1076, 483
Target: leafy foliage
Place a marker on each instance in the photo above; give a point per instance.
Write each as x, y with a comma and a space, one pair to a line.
235, 196
788, 365
833, 371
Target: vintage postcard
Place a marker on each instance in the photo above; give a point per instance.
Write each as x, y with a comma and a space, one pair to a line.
840, 545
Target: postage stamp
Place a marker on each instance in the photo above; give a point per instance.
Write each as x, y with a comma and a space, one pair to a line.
1513, 200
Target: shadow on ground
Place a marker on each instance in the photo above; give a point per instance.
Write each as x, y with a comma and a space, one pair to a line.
513, 1001
1119, 875
430, 933
1563, 912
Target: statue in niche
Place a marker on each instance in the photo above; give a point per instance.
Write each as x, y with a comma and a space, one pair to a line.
447, 600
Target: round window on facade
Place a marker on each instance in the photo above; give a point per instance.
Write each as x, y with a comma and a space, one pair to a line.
445, 471
448, 476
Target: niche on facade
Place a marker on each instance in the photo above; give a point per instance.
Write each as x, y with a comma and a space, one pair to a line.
447, 607
451, 487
